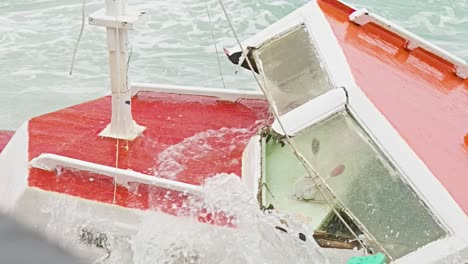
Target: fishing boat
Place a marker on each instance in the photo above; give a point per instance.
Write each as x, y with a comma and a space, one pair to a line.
358, 131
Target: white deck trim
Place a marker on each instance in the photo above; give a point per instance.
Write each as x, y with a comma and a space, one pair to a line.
363, 16
316, 110
51, 162
413, 169
224, 94
252, 165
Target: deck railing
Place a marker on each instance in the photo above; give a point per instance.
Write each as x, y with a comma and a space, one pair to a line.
52, 162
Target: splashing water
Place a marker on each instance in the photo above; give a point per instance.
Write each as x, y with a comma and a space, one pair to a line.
111, 234
254, 238
203, 146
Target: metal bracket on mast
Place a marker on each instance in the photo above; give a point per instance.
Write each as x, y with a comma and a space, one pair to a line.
128, 21
118, 21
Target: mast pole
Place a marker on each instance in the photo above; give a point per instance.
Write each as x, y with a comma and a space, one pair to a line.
117, 22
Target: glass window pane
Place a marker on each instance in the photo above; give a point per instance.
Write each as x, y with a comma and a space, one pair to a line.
368, 185
292, 69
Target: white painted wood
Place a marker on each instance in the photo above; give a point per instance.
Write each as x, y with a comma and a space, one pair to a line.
61, 217
225, 94
51, 162
14, 169
252, 165
128, 21
122, 125
364, 16
344, 2
441, 250
316, 110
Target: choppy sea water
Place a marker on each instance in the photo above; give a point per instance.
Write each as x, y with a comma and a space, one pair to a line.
173, 45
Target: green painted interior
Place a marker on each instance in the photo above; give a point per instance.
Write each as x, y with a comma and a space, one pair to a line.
282, 170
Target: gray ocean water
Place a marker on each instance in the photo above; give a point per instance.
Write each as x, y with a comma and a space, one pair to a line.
173, 45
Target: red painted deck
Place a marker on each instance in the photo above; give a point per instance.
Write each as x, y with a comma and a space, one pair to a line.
4, 138
416, 91
188, 138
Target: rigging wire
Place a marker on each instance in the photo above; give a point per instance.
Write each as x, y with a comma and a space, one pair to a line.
75, 49
214, 43
319, 182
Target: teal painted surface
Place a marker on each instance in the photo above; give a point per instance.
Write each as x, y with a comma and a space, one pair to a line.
376, 259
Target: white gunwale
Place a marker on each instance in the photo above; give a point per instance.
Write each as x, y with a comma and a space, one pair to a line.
225, 94
411, 167
363, 16
51, 162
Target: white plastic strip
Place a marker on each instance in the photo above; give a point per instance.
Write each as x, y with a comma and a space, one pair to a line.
252, 165
51, 162
363, 16
225, 94
316, 110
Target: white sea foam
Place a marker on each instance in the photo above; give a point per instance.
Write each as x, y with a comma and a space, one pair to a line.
254, 238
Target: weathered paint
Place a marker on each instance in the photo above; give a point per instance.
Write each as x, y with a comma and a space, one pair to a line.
170, 119
5, 138
415, 90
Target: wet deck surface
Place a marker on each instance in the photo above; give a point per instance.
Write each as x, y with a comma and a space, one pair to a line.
5, 137
417, 92
187, 138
